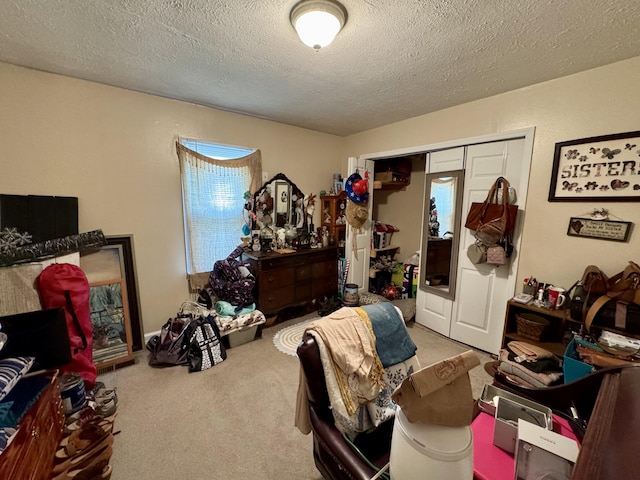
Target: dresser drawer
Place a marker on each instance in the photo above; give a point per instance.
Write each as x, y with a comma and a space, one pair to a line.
285, 280
276, 298
276, 278
304, 273
283, 261
325, 269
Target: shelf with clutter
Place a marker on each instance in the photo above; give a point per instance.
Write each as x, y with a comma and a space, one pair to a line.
334, 218
392, 174
382, 262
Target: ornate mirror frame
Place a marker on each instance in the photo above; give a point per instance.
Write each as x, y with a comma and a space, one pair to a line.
279, 201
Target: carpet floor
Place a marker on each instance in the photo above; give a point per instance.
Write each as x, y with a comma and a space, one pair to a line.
232, 421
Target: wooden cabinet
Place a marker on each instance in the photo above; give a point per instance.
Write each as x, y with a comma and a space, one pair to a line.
286, 280
31, 454
557, 334
334, 209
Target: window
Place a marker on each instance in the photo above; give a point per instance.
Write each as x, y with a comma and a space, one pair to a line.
214, 181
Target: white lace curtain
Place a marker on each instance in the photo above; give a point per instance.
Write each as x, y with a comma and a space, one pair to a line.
212, 198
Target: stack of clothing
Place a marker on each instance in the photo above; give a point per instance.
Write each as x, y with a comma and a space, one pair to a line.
366, 353
529, 365
230, 319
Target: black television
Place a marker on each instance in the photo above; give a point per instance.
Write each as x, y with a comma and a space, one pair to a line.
41, 334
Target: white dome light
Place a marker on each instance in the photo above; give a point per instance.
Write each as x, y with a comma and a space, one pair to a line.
318, 21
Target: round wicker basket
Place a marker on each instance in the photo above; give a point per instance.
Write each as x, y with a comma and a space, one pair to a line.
531, 326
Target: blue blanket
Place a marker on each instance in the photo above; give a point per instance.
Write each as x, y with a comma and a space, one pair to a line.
393, 343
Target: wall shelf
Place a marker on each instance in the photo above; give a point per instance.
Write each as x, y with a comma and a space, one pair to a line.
390, 249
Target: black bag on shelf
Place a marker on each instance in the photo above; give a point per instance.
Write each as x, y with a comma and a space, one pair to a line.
606, 316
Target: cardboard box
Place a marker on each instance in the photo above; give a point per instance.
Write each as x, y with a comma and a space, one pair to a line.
384, 177
542, 453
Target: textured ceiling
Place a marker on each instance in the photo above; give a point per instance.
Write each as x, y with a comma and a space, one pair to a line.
395, 59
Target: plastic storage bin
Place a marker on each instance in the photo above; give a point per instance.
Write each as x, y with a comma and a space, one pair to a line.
242, 336
572, 367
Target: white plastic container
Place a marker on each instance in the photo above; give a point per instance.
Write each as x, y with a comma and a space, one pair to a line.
420, 451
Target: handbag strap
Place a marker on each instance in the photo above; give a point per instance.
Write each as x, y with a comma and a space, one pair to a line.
76, 322
594, 309
504, 183
624, 283
493, 193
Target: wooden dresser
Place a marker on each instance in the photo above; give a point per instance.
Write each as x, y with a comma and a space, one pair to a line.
291, 279
31, 454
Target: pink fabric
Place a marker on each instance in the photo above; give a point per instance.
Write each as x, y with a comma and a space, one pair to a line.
493, 463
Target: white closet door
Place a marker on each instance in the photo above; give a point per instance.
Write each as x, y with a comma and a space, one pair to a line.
446, 160
434, 311
358, 249
482, 291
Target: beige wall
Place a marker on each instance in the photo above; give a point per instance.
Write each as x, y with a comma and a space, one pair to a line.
114, 150
597, 102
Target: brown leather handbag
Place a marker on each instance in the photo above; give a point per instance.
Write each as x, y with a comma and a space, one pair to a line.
594, 281
623, 287
495, 217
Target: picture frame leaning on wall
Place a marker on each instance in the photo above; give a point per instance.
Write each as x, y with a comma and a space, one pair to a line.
597, 169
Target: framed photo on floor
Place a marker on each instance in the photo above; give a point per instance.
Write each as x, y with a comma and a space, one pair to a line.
117, 260
110, 322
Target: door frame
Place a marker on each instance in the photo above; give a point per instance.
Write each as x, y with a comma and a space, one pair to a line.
527, 134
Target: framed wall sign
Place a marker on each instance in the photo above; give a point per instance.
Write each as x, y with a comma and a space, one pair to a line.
602, 169
602, 229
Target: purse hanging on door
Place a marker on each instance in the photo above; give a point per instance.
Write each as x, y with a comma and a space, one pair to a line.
495, 217
477, 253
496, 255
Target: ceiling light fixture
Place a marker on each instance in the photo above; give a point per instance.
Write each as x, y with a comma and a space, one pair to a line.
318, 21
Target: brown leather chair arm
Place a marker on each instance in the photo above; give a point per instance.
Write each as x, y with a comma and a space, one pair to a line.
345, 455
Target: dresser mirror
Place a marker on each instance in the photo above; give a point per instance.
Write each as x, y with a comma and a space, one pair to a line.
279, 202
441, 232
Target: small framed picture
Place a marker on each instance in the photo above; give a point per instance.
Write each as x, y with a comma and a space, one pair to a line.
602, 229
337, 186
